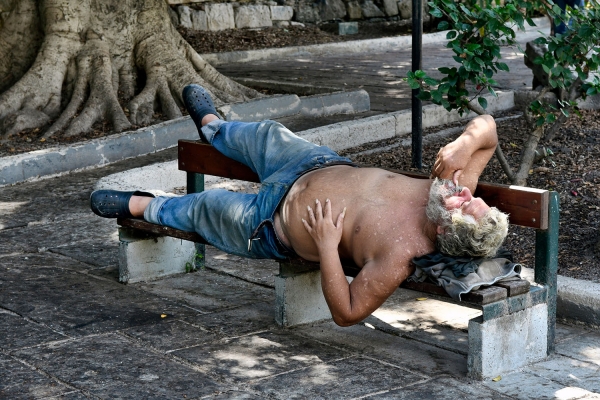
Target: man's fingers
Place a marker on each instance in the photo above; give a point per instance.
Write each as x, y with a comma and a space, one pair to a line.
455, 176
327, 211
311, 216
318, 210
306, 226
340, 219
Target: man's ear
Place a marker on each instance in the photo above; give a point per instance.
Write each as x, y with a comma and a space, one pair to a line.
439, 230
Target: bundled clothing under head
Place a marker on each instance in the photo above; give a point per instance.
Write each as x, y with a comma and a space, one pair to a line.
458, 275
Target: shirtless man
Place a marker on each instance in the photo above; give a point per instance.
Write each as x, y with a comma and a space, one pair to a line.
321, 207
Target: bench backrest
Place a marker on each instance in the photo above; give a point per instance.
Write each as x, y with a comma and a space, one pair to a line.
527, 206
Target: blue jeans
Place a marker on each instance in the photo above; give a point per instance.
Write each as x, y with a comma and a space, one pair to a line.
239, 223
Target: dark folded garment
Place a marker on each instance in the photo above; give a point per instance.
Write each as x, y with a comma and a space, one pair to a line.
461, 266
458, 275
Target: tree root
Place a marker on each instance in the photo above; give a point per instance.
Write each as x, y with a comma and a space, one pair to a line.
20, 39
93, 54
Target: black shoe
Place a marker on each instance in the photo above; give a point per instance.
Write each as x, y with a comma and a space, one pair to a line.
113, 203
199, 105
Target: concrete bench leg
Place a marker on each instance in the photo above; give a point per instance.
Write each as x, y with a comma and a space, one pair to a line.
145, 256
298, 295
507, 343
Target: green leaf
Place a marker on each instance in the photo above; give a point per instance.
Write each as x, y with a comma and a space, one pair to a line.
550, 118
482, 102
546, 69
443, 25
530, 22
565, 112
591, 91
493, 93
413, 83
419, 74
424, 95
502, 66
430, 81
436, 12
451, 35
540, 121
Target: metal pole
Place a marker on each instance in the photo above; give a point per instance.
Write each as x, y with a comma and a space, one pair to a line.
417, 107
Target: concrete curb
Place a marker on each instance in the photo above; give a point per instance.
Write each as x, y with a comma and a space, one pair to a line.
348, 134
98, 152
350, 47
577, 300
318, 105
94, 153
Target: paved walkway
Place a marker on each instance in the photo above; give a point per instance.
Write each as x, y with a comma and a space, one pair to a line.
380, 74
69, 330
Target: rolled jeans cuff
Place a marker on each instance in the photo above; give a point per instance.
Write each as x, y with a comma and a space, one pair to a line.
151, 213
209, 130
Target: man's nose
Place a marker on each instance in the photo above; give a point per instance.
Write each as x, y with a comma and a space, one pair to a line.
466, 194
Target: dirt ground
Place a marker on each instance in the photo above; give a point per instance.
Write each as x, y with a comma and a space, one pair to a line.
573, 171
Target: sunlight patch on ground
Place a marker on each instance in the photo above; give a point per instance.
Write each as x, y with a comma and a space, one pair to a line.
592, 353
570, 392
321, 374
9, 207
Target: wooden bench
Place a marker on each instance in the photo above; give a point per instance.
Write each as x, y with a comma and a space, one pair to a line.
493, 348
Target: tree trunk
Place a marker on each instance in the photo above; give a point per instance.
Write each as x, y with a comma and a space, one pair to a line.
73, 61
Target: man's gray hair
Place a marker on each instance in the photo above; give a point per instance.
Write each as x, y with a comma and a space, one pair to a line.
463, 235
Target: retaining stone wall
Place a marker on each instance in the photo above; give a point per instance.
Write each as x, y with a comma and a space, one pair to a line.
203, 15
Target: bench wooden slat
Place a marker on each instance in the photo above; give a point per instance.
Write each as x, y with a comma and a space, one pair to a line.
160, 230
527, 206
203, 158
481, 297
515, 288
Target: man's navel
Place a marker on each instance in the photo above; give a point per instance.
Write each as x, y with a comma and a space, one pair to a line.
357, 229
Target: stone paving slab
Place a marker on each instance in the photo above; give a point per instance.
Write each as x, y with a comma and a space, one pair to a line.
38, 237
17, 332
261, 272
72, 303
584, 347
205, 291
18, 380
169, 334
348, 378
406, 353
260, 355
443, 388
525, 385
111, 366
238, 321
570, 373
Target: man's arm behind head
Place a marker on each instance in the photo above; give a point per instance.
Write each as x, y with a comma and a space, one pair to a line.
464, 159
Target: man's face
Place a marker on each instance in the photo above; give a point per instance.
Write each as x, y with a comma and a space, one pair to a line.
450, 197
466, 203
